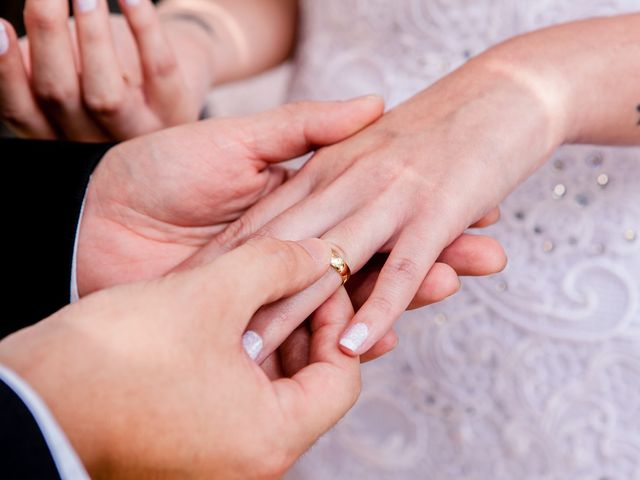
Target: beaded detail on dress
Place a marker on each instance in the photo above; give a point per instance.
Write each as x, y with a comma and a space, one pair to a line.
533, 373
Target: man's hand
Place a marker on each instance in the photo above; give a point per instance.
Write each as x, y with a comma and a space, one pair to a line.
151, 380
154, 201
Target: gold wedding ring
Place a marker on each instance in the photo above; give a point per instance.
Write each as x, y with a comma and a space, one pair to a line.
339, 265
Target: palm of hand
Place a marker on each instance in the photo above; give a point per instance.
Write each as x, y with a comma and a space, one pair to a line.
144, 217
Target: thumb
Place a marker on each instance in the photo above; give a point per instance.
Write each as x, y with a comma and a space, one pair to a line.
293, 129
319, 395
259, 272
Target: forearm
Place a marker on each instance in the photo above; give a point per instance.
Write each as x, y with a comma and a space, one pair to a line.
504, 113
239, 38
585, 73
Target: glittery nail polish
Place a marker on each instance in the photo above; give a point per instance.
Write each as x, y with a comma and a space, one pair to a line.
355, 336
252, 344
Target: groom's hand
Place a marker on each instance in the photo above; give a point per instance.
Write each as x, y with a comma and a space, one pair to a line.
150, 380
154, 201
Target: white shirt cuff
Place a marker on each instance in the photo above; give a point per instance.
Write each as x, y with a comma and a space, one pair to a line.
74, 296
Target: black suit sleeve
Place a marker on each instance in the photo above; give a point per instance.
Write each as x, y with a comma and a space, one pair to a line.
45, 183
25, 453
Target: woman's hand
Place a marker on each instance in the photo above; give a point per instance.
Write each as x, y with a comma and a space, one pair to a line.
101, 76
150, 380
408, 185
414, 180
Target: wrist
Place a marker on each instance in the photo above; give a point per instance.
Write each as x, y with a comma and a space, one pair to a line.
544, 89
584, 72
192, 37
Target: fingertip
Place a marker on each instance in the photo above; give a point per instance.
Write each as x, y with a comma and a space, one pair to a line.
489, 219
441, 282
353, 338
6, 33
495, 256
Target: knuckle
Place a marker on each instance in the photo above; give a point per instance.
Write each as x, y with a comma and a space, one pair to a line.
240, 230
104, 103
234, 232
382, 305
164, 65
266, 232
94, 36
403, 269
54, 93
12, 116
45, 17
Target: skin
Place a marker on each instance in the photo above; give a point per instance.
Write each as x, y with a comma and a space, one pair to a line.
372, 193
142, 249
98, 77
153, 202
110, 77
202, 409
540, 86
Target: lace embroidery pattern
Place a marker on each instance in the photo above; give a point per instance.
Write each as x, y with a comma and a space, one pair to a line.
533, 373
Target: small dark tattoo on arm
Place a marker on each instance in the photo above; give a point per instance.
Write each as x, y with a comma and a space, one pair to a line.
638, 110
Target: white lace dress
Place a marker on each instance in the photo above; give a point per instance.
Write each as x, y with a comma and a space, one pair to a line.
530, 374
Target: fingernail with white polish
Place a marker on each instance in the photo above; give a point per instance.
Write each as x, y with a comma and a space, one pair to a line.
132, 3
355, 336
86, 5
252, 344
4, 39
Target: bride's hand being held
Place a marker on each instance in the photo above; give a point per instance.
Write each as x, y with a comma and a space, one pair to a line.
412, 182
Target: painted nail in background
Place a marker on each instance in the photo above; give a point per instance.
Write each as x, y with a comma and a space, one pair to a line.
86, 5
4, 39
